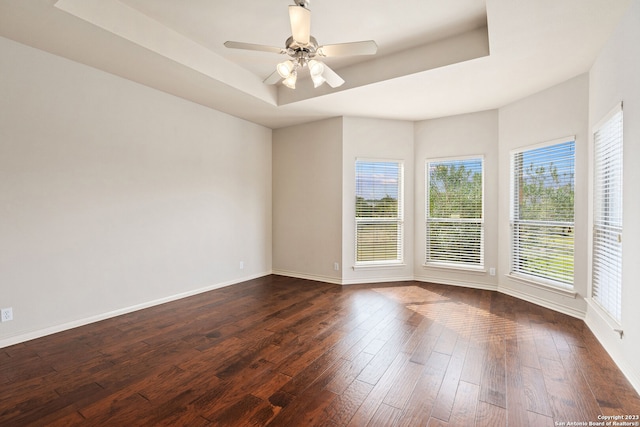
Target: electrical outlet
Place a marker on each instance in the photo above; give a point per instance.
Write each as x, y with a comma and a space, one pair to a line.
6, 314
241, 265
492, 271
336, 266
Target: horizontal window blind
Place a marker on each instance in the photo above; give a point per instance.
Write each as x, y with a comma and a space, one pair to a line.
607, 216
379, 212
454, 212
542, 220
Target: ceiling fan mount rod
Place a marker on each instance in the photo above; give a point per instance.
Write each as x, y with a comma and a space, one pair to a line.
303, 3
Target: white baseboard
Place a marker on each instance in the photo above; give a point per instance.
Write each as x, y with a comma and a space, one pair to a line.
27, 336
377, 280
460, 283
315, 277
611, 341
339, 281
551, 305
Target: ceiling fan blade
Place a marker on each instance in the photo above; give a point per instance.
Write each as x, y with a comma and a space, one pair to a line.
252, 46
330, 76
368, 47
273, 78
300, 18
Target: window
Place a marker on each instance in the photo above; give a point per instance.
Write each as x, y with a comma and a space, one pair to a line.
606, 271
379, 216
542, 213
454, 212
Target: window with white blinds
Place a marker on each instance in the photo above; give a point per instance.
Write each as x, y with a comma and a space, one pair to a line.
607, 215
454, 212
379, 212
542, 213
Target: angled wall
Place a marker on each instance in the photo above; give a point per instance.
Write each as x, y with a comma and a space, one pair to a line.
554, 113
473, 134
375, 139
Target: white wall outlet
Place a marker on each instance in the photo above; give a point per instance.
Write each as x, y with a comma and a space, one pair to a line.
336, 266
492, 271
6, 314
241, 265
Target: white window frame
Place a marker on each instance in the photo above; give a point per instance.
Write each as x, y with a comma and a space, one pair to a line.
605, 273
515, 271
398, 260
428, 261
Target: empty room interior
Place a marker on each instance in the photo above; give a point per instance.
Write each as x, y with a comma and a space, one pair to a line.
296, 213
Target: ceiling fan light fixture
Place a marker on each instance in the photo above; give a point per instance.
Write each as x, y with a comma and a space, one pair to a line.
316, 68
302, 48
285, 69
290, 80
318, 80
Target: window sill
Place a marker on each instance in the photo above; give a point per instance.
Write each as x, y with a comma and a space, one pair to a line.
378, 266
461, 268
556, 289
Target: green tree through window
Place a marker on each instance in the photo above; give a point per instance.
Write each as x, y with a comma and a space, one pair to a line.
543, 213
454, 227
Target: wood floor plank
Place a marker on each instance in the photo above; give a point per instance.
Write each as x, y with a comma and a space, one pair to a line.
527, 352
239, 412
368, 408
284, 351
349, 371
562, 399
424, 395
474, 363
425, 347
402, 389
488, 415
386, 415
601, 375
463, 412
302, 411
584, 397
447, 393
538, 420
516, 410
436, 422
343, 408
384, 357
535, 391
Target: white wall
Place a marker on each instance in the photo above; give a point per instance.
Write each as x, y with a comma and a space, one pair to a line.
465, 135
114, 196
375, 139
554, 113
614, 77
307, 200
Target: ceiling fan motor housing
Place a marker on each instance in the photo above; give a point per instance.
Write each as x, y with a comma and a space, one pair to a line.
295, 49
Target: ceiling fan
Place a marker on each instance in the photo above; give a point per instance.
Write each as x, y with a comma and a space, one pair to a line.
303, 50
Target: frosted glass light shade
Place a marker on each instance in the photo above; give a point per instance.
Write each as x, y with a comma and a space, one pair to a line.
285, 68
317, 80
290, 81
316, 68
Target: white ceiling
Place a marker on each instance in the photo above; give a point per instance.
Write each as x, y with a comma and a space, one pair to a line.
435, 58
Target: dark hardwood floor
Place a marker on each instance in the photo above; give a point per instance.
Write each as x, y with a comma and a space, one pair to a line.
287, 352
